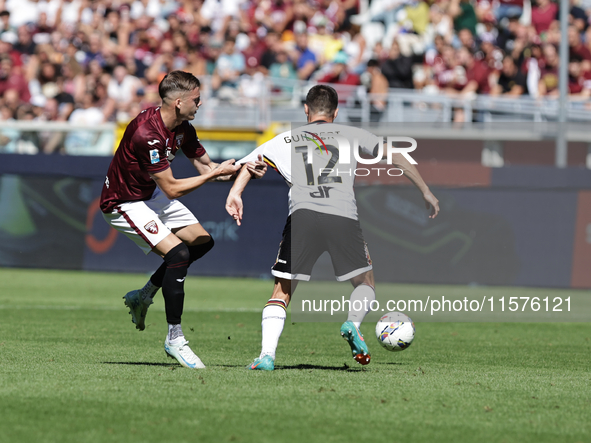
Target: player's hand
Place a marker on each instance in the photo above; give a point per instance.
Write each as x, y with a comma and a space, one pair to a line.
431, 203
257, 169
227, 168
234, 207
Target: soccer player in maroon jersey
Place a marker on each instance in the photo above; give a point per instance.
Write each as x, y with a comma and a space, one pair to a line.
139, 199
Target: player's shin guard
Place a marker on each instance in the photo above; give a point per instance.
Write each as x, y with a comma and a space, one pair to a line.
173, 283
361, 299
198, 251
274, 315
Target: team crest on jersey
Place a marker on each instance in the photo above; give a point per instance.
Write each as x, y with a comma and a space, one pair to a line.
154, 157
151, 227
179, 140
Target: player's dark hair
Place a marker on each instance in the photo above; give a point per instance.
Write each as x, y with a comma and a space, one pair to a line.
177, 81
322, 100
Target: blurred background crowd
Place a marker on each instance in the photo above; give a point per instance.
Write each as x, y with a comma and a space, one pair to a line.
94, 61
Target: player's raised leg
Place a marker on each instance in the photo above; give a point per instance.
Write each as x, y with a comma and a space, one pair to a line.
138, 301
360, 304
199, 243
274, 315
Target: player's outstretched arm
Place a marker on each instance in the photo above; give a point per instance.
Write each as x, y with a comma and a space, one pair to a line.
234, 204
175, 188
412, 173
204, 164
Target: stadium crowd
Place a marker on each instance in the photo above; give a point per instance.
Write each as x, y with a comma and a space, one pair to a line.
101, 60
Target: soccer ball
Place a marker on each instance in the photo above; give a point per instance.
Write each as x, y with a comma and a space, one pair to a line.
395, 331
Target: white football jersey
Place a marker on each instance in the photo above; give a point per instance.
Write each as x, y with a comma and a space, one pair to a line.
319, 164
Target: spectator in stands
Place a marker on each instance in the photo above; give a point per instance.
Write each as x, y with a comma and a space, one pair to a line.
123, 88
377, 86
475, 76
305, 59
414, 25
5, 25
463, 15
339, 73
577, 16
275, 15
93, 50
417, 16
166, 61
577, 49
440, 27
490, 55
272, 44
44, 85
385, 11
229, 66
440, 73
81, 142
578, 85
253, 53
355, 46
511, 81
543, 14
488, 30
283, 72
25, 44
397, 68
466, 40
548, 84
11, 78
217, 14
508, 9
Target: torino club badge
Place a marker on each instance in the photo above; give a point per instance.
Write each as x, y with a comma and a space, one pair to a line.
151, 227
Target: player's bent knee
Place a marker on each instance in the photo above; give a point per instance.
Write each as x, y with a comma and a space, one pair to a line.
178, 256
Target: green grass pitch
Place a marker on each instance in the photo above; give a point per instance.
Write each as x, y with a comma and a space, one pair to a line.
74, 369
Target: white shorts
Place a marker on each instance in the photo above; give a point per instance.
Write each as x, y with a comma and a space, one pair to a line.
148, 222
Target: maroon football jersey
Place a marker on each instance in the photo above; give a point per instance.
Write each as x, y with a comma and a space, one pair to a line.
146, 147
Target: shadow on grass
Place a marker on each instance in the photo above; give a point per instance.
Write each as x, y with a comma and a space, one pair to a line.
344, 367
139, 363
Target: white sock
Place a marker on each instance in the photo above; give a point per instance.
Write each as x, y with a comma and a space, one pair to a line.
175, 334
149, 290
274, 315
363, 295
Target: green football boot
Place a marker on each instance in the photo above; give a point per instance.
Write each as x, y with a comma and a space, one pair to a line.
266, 363
358, 346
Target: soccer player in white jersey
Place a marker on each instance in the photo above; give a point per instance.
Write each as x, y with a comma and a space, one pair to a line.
322, 215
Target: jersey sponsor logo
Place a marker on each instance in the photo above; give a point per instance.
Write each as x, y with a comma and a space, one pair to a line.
153, 142
151, 227
154, 156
